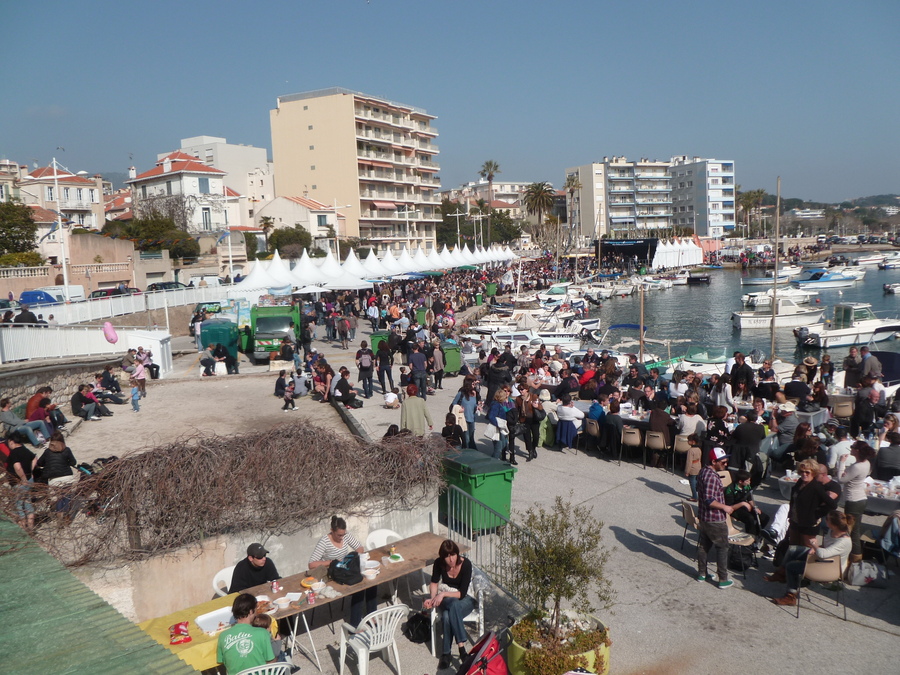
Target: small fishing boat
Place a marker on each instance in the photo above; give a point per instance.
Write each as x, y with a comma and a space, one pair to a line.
891, 288
789, 314
871, 259
787, 271
891, 261
854, 323
764, 281
761, 299
822, 279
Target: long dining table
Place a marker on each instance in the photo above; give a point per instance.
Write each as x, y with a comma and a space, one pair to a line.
417, 552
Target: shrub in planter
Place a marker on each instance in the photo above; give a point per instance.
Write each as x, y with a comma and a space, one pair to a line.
562, 562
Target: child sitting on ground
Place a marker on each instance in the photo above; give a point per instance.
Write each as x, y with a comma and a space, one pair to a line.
392, 399
404, 378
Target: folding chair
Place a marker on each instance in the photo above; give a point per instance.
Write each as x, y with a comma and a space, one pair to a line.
824, 571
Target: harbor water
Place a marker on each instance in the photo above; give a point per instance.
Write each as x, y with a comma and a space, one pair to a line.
700, 314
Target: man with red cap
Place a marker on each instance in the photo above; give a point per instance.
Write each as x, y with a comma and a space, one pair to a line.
713, 527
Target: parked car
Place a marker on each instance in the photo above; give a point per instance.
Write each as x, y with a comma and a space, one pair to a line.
166, 286
112, 292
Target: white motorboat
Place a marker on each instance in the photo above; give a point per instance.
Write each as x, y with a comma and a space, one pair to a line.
854, 323
891, 288
891, 261
789, 314
853, 271
821, 278
651, 283
761, 299
567, 341
713, 360
763, 281
786, 271
871, 259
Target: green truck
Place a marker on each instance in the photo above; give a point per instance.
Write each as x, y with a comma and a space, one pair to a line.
269, 324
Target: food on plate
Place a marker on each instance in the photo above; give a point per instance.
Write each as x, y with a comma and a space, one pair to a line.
308, 582
264, 606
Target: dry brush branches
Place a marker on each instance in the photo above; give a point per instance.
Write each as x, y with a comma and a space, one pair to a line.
273, 482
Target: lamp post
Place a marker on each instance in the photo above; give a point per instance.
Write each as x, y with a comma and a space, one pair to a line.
337, 241
459, 214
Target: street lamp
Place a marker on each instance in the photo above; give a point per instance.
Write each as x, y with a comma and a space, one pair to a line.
337, 242
459, 214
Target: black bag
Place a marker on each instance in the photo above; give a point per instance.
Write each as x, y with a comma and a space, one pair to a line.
539, 414
355, 403
346, 570
418, 627
739, 558
808, 406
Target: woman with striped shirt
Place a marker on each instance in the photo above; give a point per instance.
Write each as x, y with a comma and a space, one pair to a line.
334, 546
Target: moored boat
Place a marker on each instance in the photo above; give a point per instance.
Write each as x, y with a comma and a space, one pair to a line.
789, 314
871, 259
822, 278
854, 323
764, 298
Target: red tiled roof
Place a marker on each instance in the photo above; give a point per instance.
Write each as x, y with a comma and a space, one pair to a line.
311, 203
126, 215
177, 156
231, 193
41, 215
46, 173
177, 167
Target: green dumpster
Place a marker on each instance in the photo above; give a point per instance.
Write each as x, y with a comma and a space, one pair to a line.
479, 300
420, 315
377, 338
490, 289
483, 478
452, 358
222, 332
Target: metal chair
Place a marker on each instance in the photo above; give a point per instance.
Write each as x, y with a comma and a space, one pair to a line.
223, 576
843, 411
376, 632
633, 438
824, 571
268, 669
657, 442
737, 537
613, 440
690, 521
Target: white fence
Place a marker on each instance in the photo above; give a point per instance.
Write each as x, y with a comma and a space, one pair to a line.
105, 308
32, 343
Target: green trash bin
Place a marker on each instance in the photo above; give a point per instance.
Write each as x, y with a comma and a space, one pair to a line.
479, 300
483, 478
420, 315
222, 332
452, 358
490, 289
377, 338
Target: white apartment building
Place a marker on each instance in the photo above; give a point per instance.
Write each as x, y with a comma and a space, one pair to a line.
703, 195
372, 159
78, 198
193, 194
621, 198
248, 171
508, 192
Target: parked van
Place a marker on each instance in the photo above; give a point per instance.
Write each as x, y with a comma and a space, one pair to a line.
76, 292
210, 279
38, 298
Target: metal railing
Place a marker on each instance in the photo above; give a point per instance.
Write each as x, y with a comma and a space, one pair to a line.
489, 536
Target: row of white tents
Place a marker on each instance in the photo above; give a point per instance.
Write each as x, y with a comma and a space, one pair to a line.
677, 253
309, 275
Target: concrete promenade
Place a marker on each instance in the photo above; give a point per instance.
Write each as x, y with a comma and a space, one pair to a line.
663, 621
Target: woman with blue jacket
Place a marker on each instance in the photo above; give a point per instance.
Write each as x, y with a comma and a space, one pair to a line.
467, 398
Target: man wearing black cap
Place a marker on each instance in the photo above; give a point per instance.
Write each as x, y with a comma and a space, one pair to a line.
712, 511
253, 570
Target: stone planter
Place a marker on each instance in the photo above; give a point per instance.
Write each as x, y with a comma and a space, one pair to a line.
515, 655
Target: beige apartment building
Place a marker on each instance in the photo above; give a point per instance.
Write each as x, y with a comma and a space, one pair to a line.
373, 159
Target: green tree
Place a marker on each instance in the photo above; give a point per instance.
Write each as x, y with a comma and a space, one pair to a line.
266, 224
156, 233
251, 244
538, 199
17, 228
488, 170
26, 259
506, 230
288, 236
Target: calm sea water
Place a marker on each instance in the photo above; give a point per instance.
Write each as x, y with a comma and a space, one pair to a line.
702, 314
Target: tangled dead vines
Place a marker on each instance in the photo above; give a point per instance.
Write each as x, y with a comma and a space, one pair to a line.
274, 482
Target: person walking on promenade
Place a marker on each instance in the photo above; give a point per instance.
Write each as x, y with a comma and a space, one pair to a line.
713, 527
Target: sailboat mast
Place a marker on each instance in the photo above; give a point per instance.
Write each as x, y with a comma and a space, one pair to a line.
775, 285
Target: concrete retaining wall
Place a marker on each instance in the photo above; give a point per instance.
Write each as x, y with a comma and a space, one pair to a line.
20, 381
166, 583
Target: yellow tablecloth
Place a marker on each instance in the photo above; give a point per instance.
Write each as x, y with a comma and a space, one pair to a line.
200, 652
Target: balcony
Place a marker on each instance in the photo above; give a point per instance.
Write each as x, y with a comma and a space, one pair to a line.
428, 147
654, 200
619, 189
652, 176
75, 205
428, 163
653, 188
654, 214
619, 176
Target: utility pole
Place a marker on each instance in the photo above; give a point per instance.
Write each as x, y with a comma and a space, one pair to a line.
459, 214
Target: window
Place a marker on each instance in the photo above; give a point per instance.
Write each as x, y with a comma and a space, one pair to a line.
312, 147
94, 197
312, 167
80, 194
314, 187
207, 219
250, 213
50, 196
204, 186
322, 220
260, 182
690, 183
143, 192
306, 107
168, 187
66, 193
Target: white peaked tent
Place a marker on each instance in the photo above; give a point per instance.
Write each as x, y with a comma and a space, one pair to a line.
468, 256
496, 254
389, 262
459, 258
279, 272
447, 257
405, 262
421, 261
435, 262
306, 272
337, 278
695, 252
258, 278
353, 266
373, 267
478, 255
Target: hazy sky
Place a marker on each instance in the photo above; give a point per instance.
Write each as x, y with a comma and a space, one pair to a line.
808, 91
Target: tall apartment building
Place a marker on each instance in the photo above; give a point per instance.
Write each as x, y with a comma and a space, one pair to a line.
248, 171
587, 206
703, 195
378, 157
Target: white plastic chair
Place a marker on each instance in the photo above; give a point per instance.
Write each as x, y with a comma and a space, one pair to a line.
223, 576
383, 537
376, 632
268, 669
476, 616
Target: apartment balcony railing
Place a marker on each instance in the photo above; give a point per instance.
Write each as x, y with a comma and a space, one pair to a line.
654, 176
653, 188
76, 204
428, 147
427, 162
99, 268
620, 188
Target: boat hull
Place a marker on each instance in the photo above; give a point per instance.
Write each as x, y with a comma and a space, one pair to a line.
817, 285
763, 281
750, 320
847, 337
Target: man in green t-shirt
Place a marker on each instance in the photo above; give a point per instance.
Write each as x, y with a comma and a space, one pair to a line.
244, 646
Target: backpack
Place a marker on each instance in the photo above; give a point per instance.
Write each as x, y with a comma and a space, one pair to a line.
740, 558
365, 360
346, 570
418, 627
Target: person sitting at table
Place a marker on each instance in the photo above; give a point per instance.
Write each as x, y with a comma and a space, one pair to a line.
244, 645
717, 431
257, 568
739, 496
662, 421
786, 415
568, 412
866, 414
722, 394
613, 420
336, 545
448, 591
887, 461
797, 388
745, 444
819, 395
690, 422
787, 454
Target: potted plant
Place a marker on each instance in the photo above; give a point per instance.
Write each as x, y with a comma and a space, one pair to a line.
560, 562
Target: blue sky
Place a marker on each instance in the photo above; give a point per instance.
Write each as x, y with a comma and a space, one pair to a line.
807, 91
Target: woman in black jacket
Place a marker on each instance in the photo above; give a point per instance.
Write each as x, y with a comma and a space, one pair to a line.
281, 384
57, 460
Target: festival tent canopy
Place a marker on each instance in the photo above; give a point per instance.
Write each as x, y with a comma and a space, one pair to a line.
405, 261
306, 272
353, 266
421, 261
468, 256
435, 261
258, 278
447, 258
373, 267
389, 262
278, 271
458, 257
508, 254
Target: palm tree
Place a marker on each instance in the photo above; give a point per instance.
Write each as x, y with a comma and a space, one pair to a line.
538, 198
572, 186
267, 224
488, 170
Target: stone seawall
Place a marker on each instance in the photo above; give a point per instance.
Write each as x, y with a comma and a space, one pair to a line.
19, 381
